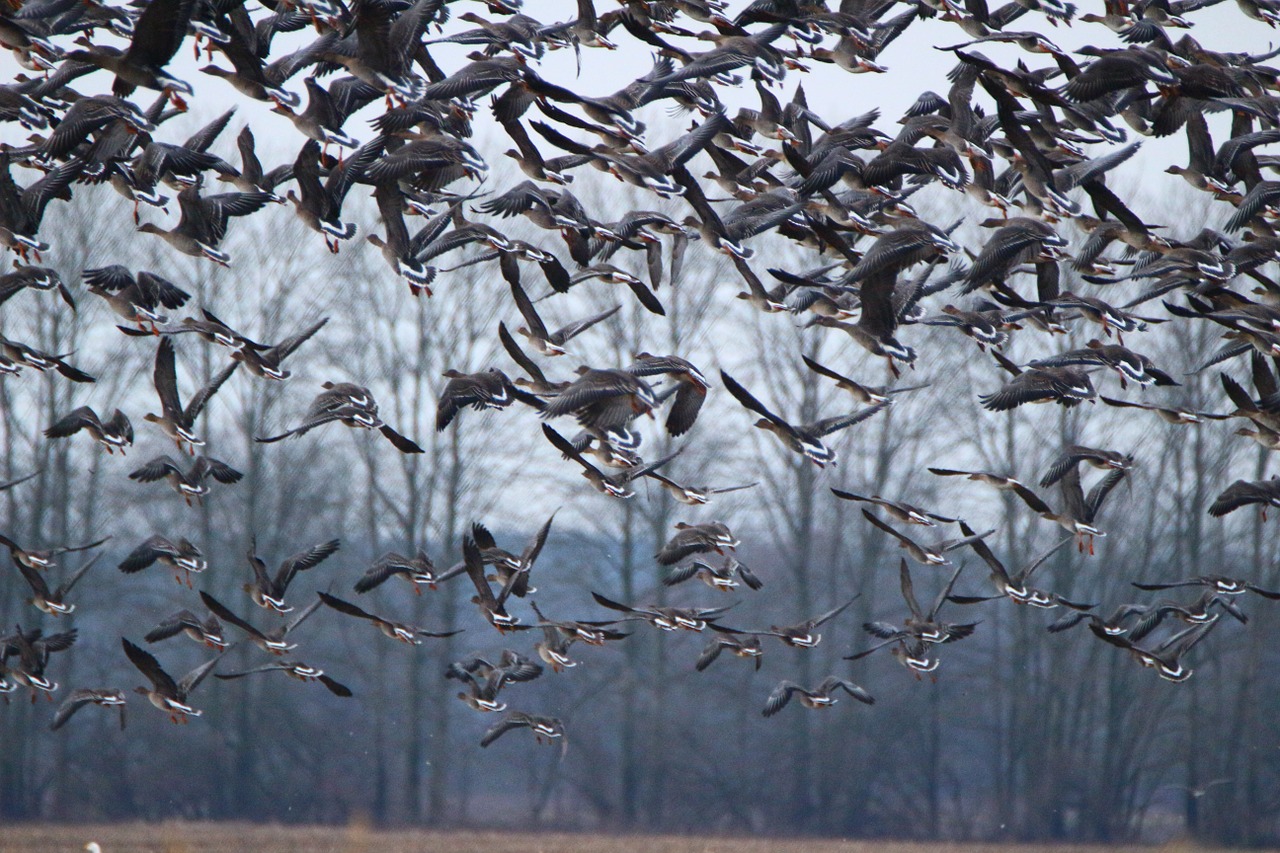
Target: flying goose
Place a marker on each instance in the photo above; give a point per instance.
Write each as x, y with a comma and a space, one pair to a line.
84, 696
177, 422
696, 495
713, 536
395, 630
614, 485
203, 223
43, 558
417, 570
268, 591
166, 694
273, 641
542, 727
551, 343
821, 696
205, 631
920, 625
14, 356
32, 648
293, 669
802, 635
666, 618
265, 361
489, 389
181, 556
934, 555
1218, 583
805, 439
351, 405
137, 299
1072, 456
1065, 385
903, 512
1264, 493
116, 433
190, 483
1014, 586
53, 601
493, 607
1165, 658
717, 577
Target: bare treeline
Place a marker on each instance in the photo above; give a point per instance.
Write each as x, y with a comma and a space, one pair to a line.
1019, 735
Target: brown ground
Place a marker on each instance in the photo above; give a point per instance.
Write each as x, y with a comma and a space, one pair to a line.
231, 837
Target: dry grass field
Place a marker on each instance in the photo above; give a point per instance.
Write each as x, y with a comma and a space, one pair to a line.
178, 837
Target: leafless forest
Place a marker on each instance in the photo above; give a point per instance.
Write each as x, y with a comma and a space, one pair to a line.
1017, 735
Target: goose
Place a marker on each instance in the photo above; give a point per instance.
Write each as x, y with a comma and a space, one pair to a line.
45, 558
903, 512
489, 389
802, 635
696, 495
104, 697
351, 405
666, 618
32, 648
551, 343
717, 577
203, 223
1165, 658
1014, 586
746, 646
175, 421
205, 631
931, 555
1220, 584
268, 591
418, 570
1066, 386
157, 34
821, 696
273, 641
166, 694
804, 439
1264, 493
395, 630
53, 601
265, 362
14, 356
1072, 456
543, 727
492, 607
191, 482
294, 669
866, 394
602, 399
136, 299
181, 556
922, 626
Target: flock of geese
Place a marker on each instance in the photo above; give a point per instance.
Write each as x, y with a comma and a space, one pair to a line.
1010, 136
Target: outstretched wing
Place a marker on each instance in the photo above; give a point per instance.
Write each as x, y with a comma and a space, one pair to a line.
303, 561
346, 607
156, 469
150, 667
217, 608
514, 720
534, 548
779, 698
908, 589
743, 396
